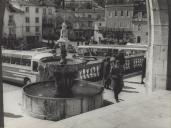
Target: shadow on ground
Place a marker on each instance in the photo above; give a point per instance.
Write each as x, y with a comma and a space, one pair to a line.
130, 91
10, 115
127, 87
106, 103
132, 82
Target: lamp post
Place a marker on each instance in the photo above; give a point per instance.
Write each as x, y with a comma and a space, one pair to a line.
2, 10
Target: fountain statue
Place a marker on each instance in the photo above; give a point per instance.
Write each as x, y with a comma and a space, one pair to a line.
60, 93
64, 35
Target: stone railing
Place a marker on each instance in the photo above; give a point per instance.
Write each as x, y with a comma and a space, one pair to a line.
91, 71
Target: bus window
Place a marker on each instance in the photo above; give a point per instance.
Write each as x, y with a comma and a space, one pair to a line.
6, 59
15, 60
26, 62
35, 66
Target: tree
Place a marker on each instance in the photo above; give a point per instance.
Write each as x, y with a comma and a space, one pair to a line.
2, 10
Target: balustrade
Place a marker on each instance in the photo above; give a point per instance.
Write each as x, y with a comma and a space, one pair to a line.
91, 71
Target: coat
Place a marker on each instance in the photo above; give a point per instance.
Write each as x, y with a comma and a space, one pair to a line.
117, 80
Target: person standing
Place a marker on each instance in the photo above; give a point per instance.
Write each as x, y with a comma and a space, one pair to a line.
101, 69
106, 73
121, 60
117, 80
143, 70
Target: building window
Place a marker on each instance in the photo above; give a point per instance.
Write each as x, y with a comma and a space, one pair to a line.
138, 39
116, 13
37, 19
27, 20
37, 28
27, 9
50, 11
121, 13
127, 13
27, 29
11, 20
37, 10
89, 16
44, 11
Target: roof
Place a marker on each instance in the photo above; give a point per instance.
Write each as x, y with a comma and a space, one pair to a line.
29, 54
42, 55
13, 8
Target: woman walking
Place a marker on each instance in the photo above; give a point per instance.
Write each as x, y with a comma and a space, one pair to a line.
117, 80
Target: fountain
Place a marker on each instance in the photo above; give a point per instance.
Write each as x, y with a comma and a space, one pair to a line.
60, 94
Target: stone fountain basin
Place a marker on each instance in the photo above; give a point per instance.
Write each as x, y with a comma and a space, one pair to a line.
39, 100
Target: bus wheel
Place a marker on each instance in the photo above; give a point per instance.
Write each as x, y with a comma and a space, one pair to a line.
27, 81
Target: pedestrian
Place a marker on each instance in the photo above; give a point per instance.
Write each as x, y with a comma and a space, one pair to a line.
116, 80
143, 70
121, 61
106, 73
101, 69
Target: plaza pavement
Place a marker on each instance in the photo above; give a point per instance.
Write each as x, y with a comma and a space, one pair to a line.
137, 110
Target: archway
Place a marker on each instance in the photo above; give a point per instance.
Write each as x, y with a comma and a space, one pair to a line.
159, 49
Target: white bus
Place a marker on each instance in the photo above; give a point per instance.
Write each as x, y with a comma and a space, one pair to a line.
22, 66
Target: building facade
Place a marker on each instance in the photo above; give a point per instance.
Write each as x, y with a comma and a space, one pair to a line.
140, 24
81, 17
12, 25
32, 25
13, 21
118, 17
48, 19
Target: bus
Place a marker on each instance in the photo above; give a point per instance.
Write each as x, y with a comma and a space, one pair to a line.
22, 66
109, 50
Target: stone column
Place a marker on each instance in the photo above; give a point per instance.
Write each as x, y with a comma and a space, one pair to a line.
158, 45
2, 8
169, 50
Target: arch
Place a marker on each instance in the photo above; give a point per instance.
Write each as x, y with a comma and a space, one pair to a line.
159, 55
